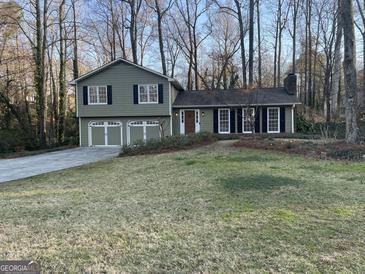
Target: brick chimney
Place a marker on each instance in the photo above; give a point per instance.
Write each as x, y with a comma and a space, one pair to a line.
290, 84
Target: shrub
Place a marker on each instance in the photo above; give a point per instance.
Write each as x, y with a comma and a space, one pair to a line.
10, 140
303, 125
168, 143
4, 146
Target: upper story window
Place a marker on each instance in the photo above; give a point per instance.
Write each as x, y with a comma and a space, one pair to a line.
148, 94
97, 95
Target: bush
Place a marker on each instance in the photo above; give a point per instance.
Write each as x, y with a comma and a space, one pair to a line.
303, 125
10, 140
169, 143
4, 146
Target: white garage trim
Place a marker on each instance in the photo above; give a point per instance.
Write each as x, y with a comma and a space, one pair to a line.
105, 125
144, 125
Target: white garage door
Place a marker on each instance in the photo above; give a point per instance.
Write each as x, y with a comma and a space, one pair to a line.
142, 131
105, 133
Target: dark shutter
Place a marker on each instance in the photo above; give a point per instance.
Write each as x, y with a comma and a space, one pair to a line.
85, 95
110, 95
264, 119
215, 121
160, 93
282, 119
135, 94
239, 120
257, 120
233, 121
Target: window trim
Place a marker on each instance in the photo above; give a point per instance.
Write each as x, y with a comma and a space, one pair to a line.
268, 120
97, 95
243, 119
219, 121
148, 94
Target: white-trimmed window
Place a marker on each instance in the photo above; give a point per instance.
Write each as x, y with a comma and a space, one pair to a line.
97, 95
223, 121
248, 116
148, 94
273, 120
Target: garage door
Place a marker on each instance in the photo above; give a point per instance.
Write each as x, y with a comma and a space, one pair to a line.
105, 133
142, 131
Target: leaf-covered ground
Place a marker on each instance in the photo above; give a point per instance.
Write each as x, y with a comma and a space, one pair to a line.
215, 209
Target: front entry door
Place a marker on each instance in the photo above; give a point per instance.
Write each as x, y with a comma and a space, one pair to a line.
189, 121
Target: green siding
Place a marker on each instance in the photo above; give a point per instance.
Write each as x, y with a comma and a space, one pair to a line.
288, 120
114, 137
176, 121
206, 122
122, 77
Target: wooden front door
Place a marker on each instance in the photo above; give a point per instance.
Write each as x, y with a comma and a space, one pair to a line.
189, 121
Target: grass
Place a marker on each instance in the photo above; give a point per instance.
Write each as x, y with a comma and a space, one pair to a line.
215, 209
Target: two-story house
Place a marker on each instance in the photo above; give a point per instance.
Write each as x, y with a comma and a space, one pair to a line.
122, 103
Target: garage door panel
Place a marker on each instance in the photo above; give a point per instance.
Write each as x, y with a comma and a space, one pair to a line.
153, 132
98, 136
114, 136
136, 134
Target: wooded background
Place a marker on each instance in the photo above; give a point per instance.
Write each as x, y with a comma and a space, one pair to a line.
205, 44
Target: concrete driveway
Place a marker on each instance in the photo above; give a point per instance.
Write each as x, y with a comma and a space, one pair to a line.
23, 167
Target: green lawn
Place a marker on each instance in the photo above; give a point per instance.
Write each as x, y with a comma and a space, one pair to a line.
213, 210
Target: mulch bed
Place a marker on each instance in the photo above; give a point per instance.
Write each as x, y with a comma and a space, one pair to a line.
338, 150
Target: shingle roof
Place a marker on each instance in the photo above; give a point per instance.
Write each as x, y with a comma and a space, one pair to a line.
235, 97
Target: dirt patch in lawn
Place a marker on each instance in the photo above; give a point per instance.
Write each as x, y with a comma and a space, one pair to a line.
333, 149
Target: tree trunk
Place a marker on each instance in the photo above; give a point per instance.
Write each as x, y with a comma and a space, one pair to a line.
133, 30
242, 42
276, 45
61, 76
337, 66
75, 62
294, 36
39, 51
160, 37
259, 44
251, 41
310, 73
352, 130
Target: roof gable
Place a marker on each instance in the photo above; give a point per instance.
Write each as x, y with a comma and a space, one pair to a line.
119, 60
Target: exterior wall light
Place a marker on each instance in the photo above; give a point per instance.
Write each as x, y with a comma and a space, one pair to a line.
203, 114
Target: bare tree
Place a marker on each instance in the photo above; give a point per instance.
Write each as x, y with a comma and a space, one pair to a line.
361, 8
352, 129
62, 74
337, 64
236, 12
188, 36
161, 12
134, 6
280, 24
295, 5
259, 68
251, 42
